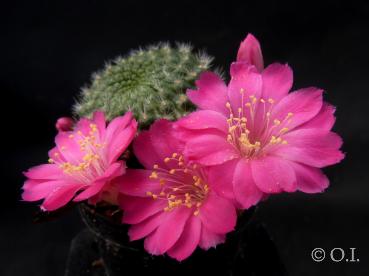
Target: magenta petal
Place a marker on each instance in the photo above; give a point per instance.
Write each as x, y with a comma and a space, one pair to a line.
55, 153
211, 93
68, 148
303, 104
220, 178
163, 140
99, 120
277, 81
91, 191
310, 147
45, 171
188, 241
309, 180
137, 209
250, 52
168, 232
153, 146
273, 175
144, 150
137, 183
38, 189
210, 239
323, 121
121, 140
30, 183
218, 214
245, 189
117, 125
146, 227
245, 79
60, 196
210, 150
204, 119
83, 125
115, 170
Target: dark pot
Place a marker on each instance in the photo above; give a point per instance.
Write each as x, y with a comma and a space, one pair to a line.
104, 249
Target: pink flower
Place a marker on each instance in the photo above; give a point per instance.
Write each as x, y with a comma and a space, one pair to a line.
255, 135
171, 203
84, 160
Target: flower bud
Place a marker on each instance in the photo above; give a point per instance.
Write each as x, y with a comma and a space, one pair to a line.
64, 124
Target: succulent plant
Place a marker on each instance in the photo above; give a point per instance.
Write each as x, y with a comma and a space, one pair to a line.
150, 82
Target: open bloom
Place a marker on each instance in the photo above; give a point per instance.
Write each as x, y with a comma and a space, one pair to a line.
171, 203
84, 160
255, 135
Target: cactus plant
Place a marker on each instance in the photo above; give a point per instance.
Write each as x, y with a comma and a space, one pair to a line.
151, 82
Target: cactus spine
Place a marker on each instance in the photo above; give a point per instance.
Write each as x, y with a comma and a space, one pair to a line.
150, 82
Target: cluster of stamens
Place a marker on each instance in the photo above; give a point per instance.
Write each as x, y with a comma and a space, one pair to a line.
242, 132
181, 184
91, 164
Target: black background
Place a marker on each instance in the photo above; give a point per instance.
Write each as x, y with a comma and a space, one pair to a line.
50, 48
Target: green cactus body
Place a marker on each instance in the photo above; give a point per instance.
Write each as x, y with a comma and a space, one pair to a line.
150, 82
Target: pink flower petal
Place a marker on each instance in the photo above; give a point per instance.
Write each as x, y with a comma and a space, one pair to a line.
117, 125
55, 154
38, 189
210, 239
115, 170
144, 151
245, 189
164, 147
311, 147
121, 140
137, 209
210, 150
168, 232
324, 120
220, 178
250, 52
100, 121
204, 119
68, 147
304, 104
146, 227
150, 147
309, 180
60, 196
245, 82
137, 183
277, 81
188, 241
92, 190
30, 183
273, 175
83, 125
184, 134
45, 171
218, 214
211, 93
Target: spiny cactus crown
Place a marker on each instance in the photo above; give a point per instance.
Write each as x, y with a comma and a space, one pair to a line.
150, 82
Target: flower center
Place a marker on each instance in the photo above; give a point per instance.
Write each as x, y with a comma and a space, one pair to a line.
181, 185
251, 130
88, 166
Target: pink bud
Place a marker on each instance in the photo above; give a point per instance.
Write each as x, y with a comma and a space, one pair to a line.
64, 124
